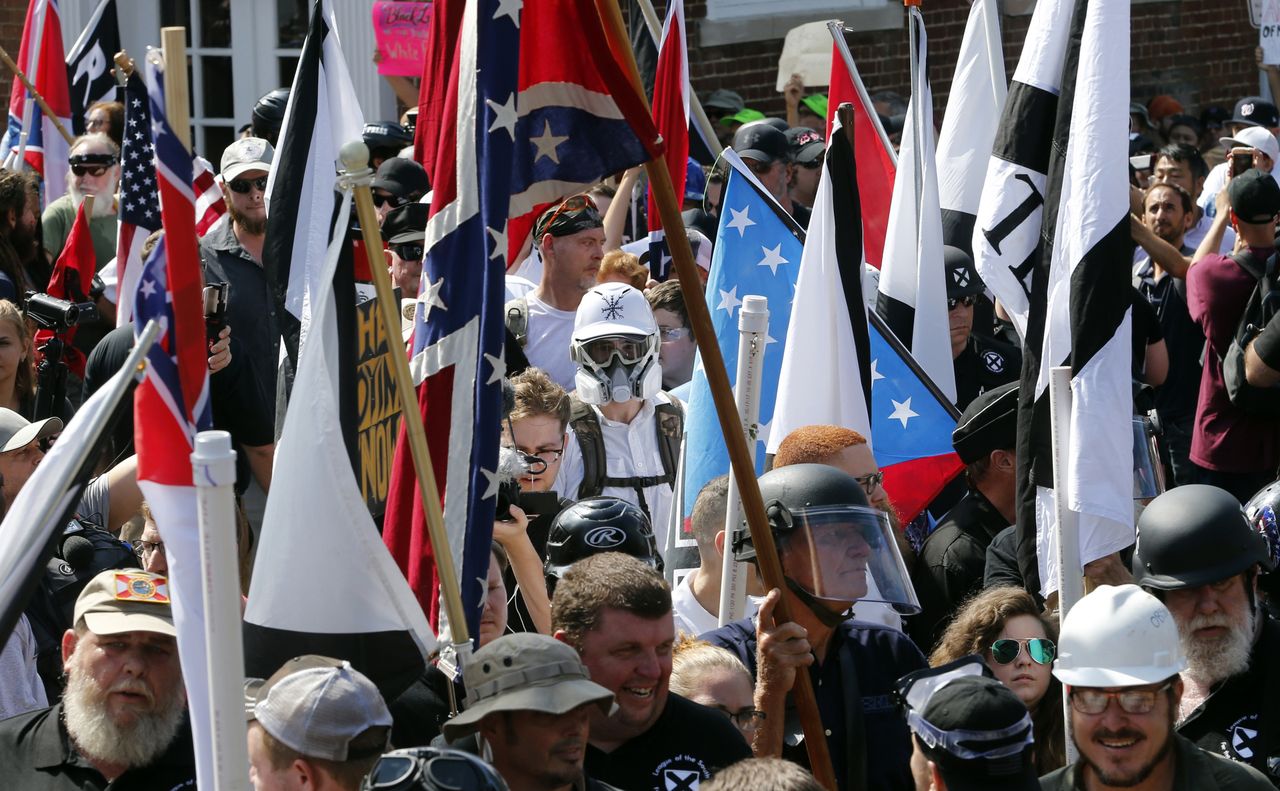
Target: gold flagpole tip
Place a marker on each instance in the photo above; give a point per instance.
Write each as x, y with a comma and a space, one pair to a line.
354, 156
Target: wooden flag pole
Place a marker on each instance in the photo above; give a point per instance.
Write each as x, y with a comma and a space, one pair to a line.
44, 106
355, 158
173, 40
726, 409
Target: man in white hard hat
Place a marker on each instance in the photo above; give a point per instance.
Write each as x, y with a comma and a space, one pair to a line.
1119, 657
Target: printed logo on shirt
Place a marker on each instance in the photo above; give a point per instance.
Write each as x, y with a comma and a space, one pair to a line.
680, 773
606, 537
1242, 738
994, 361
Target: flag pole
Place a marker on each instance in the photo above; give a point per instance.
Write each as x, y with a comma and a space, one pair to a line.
213, 467
1070, 580
700, 117
722, 394
33, 59
44, 106
355, 158
836, 28
991, 19
917, 113
753, 325
173, 40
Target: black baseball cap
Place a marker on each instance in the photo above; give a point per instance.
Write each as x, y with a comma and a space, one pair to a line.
989, 422
979, 734
1254, 196
806, 144
761, 141
402, 177
1255, 111
407, 223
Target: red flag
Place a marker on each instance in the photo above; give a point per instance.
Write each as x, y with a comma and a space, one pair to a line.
71, 278
41, 56
671, 110
876, 163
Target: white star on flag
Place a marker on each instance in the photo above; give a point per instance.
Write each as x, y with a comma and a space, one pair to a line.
499, 366
729, 300
874, 373
739, 220
430, 297
772, 258
547, 144
504, 115
509, 8
149, 287
902, 411
491, 489
499, 242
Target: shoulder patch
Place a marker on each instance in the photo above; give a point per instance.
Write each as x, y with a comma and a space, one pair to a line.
994, 361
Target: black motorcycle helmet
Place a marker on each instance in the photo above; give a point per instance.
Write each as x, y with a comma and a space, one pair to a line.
797, 486
432, 769
385, 140
268, 115
595, 525
1194, 535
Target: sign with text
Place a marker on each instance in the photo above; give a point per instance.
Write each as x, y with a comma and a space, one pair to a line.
1269, 32
400, 32
378, 405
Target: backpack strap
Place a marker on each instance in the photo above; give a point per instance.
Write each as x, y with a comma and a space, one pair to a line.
517, 319
670, 424
586, 427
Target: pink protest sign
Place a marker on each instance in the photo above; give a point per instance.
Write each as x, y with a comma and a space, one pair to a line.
400, 32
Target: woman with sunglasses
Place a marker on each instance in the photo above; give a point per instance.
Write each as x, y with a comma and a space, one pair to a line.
1018, 642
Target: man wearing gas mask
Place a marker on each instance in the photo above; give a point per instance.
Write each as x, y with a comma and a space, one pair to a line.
625, 431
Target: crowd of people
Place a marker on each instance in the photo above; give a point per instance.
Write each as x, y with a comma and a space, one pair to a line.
933, 664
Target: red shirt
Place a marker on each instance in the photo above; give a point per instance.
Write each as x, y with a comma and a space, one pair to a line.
1225, 439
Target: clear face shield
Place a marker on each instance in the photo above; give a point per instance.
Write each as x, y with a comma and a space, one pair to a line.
1148, 470
846, 553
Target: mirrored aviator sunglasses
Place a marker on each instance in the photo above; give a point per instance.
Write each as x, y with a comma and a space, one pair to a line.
1040, 649
408, 252
243, 186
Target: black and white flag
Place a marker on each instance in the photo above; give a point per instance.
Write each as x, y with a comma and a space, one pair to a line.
1080, 304
89, 63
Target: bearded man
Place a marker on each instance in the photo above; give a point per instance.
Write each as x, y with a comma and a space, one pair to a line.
94, 169
1199, 554
231, 253
121, 720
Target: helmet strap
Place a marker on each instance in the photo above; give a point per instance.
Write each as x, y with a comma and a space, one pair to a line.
822, 612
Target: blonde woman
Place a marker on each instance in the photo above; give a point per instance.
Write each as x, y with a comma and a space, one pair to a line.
714, 677
17, 372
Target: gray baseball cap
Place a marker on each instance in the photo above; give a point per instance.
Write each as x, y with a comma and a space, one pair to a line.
316, 705
525, 672
16, 432
247, 153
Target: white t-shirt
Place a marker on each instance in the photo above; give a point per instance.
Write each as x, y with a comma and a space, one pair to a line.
631, 451
547, 345
20, 687
690, 616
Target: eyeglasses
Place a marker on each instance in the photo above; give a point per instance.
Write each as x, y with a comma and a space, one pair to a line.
243, 186
539, 460
870, 482
968, 301
408, 252
628, 350
94, 123
382, 200
1040, 649
1132, 701
747, 719
89, 170
673, 333
149, 547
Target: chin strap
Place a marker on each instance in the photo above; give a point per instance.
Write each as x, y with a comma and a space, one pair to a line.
822, 612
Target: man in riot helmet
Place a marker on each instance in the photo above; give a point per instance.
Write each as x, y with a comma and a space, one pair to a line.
830, 540
595, 525
1199, 554
268, 115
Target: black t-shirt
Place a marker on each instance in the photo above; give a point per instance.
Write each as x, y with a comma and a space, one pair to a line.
1146, 331
36, 754
688, 741
1176, 398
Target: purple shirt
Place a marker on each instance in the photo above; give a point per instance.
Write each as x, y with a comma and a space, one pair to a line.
1225, 439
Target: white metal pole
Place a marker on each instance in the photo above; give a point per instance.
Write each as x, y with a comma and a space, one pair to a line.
753, 329
213, 467
32, 68
915, 23
842, 46
1070, 582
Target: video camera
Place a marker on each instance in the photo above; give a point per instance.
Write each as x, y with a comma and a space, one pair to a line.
59, 315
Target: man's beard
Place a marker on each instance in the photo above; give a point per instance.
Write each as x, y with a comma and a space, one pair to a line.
1143, 772
1213, 659
103, 203
250, 225
96, 735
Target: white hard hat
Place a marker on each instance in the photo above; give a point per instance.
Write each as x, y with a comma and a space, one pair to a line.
1118, 636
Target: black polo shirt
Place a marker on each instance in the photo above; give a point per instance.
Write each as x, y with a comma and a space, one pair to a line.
251, 307
1176, 398
36, 754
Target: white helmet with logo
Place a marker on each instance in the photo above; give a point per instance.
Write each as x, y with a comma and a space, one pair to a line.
615, 344
1118, 636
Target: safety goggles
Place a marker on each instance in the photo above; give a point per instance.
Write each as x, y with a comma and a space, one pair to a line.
1132, 701
967, 301
242, 186
627, 349
396, 772
1040, 649
572, 203
408, 252
382, 200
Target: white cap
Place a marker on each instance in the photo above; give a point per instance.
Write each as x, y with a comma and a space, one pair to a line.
1258, 137
1118, 636
613, 309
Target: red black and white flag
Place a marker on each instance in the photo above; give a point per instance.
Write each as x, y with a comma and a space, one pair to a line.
671, 115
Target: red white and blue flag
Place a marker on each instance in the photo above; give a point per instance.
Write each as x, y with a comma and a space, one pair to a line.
172, 402
671, 114
41, 57
525, 107
139, 199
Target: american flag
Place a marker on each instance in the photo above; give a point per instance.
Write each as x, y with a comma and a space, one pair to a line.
210, 205
41, 57
546, 110
172, 402
139, 200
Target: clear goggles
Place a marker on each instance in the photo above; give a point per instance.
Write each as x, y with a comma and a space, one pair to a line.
914, 691
847, 553
627, 349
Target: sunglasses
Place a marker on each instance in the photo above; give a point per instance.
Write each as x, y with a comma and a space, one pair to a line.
383, 200
243, 186
89, 170
408, 252
1132, 701
968, 301
1041, 650
673, 333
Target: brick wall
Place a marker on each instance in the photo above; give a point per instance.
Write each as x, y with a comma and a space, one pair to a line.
12, 14
1201, 51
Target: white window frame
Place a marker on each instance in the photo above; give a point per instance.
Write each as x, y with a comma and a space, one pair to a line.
737, 21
